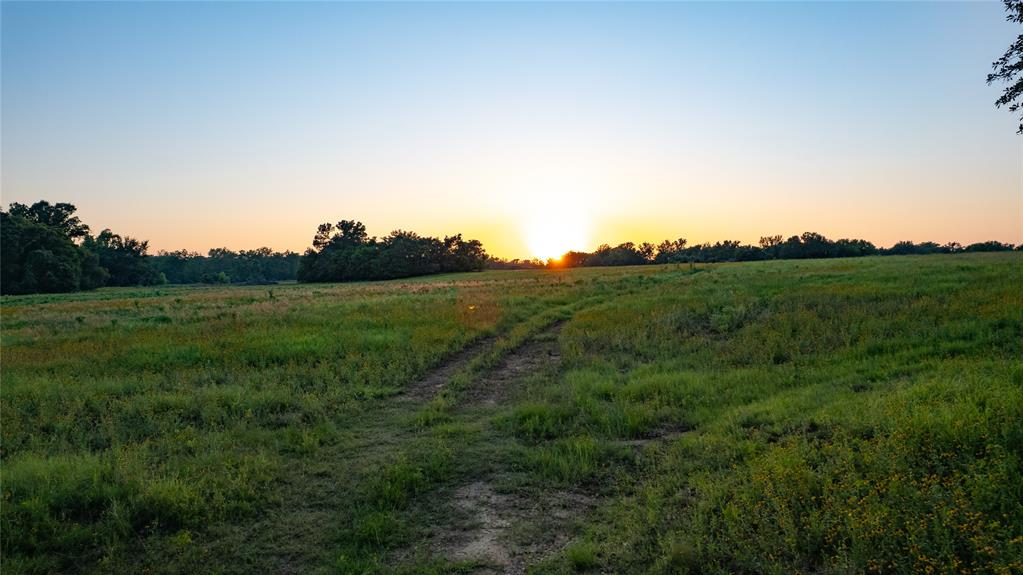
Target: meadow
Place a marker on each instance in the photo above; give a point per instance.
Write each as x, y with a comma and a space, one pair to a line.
813, 416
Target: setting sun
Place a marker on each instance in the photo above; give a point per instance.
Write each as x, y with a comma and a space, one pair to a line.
552, 233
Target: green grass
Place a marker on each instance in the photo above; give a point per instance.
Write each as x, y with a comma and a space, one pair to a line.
827, 416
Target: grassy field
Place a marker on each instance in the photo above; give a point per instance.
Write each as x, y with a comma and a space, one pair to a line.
827, 416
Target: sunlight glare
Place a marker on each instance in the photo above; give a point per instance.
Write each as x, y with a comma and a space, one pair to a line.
551, 233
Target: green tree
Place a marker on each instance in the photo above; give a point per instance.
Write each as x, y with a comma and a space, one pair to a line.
670, 251
60, 216
1009, 68
124, 257
345, 252
37, 258
93, 274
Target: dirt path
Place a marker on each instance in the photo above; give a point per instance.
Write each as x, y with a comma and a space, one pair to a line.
491, 387
425, 388
481, 525
501, 531
507, 532
495, 386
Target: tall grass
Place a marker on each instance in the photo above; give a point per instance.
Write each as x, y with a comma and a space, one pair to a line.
792, 416
843, 417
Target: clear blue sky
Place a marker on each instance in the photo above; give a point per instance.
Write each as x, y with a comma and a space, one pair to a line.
530, 126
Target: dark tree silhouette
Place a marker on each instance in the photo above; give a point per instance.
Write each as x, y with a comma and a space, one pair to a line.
626, 254
59, 216
1009, 68
809, 245
124, 257
496, 263
345, 252
570, 260
221, 265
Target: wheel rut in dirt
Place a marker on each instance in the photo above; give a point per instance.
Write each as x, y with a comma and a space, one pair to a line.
425, 388
501, 530
491, 386
495, 386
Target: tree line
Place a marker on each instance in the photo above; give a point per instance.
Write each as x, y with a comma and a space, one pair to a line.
345, 252
222, 266
45, 248
806, 246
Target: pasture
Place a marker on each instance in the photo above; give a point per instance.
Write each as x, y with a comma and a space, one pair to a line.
816, 416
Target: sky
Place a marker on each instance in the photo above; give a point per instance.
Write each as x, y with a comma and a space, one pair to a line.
534, 127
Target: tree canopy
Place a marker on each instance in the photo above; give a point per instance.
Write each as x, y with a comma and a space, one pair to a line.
124, 257
47, 249
345, 252
37, 258
60, 216
1009, 68
221, 265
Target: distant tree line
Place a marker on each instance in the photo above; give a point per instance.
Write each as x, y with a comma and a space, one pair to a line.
345, 252
221, 266
496, 263
805, 246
